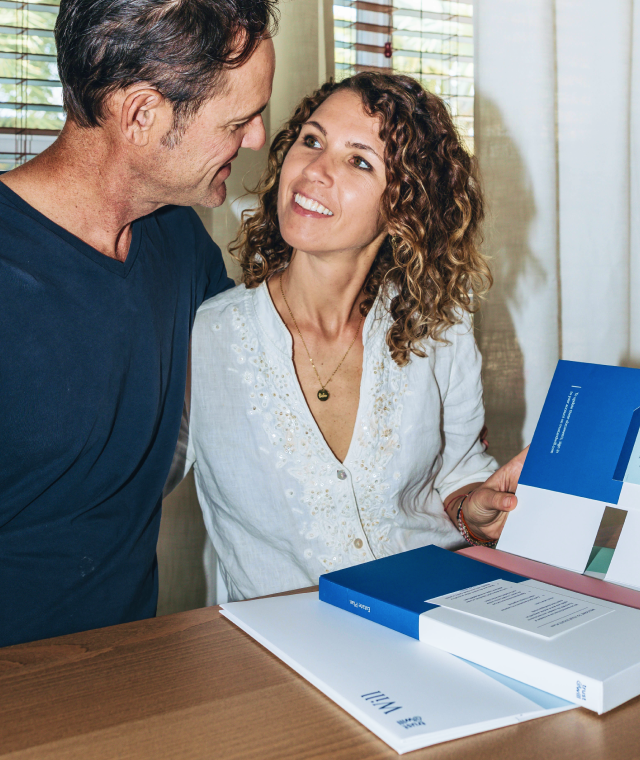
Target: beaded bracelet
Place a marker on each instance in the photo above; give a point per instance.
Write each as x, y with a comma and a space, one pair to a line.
465, 531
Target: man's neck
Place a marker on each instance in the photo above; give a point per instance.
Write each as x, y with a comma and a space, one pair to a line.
78, 184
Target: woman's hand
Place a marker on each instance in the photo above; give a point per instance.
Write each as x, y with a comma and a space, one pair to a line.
488, 507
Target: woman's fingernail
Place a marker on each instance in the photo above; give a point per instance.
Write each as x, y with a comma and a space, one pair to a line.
507, 502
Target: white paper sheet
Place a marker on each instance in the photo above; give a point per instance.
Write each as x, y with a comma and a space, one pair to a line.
625, 563
555, 528
523, 606
409, 694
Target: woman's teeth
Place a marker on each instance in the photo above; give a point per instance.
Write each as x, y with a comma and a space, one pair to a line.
310, 205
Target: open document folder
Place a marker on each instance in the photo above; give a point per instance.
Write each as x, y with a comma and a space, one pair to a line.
409, 694
579, 491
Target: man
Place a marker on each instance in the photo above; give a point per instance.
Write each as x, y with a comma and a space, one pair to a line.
102, 267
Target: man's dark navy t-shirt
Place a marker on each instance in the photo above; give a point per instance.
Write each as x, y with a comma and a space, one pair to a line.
93, 358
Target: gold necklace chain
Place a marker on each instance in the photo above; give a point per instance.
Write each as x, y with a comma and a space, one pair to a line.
323, 393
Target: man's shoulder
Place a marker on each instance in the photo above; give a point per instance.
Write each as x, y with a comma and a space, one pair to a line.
181, 220
179, 232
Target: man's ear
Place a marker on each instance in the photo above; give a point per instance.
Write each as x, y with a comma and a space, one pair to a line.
142, 110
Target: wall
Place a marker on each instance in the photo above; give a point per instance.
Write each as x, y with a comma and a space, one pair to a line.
557, 137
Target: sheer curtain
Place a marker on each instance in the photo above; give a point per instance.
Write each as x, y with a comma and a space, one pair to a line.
558, 140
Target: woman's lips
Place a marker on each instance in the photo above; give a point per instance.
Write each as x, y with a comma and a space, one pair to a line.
305, 211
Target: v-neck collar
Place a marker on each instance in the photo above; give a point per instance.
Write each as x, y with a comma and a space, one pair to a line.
273, 327
121, 268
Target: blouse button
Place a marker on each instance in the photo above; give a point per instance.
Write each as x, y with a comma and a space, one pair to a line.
358, 543
342, 475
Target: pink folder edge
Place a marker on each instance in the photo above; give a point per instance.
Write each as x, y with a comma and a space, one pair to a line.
554, 576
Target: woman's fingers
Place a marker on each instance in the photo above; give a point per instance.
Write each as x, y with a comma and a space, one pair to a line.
504, 502
490, 500
488, 507
506, 478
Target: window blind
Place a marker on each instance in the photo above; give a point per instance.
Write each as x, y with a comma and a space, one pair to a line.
31, 113
431, 40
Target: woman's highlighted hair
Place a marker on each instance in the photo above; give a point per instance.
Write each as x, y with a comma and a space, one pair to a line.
432, 206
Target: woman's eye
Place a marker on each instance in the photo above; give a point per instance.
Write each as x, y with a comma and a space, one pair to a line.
360, 163
310, 141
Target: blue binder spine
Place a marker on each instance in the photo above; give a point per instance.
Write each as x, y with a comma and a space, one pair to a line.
381, 612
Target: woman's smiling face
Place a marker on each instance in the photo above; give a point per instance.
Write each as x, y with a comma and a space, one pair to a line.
332, 180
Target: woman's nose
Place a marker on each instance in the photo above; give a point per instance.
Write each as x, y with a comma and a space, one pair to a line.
320, 170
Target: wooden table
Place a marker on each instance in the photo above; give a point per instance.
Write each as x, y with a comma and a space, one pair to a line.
192, 685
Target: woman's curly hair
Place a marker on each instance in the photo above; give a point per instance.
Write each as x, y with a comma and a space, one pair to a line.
429, 263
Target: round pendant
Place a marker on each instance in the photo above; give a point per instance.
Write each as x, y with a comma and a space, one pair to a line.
323, 394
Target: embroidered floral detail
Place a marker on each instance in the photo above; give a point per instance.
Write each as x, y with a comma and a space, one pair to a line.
378, 440
330, 519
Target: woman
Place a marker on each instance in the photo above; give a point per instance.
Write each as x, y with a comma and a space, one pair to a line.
336, 401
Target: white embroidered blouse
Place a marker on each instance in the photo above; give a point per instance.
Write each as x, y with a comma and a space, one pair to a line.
279, 507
